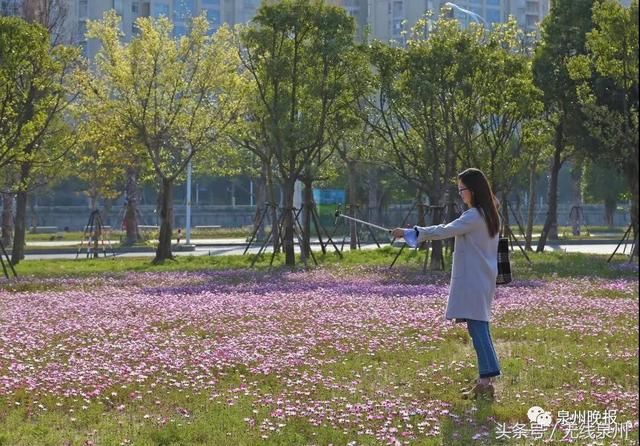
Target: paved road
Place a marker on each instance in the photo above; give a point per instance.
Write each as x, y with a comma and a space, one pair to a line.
591, 249
237, 249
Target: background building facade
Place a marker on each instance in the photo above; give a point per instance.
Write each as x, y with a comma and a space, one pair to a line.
387, 20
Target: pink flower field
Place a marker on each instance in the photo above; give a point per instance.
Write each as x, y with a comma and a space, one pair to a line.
363, 357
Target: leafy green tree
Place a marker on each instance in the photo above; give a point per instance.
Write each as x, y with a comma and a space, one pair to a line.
416, 107
537, 135
7, 197
454, 98
176, 95
611, 100
299, 53
248, 138
351, 142
109, 160
355, 147
603, 185
35, 95
503, 98
563, 35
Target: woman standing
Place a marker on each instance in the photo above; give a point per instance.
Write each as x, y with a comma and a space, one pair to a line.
474, 271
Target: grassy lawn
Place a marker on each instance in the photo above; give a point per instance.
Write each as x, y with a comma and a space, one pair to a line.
586, 232
147, 234
546, 265
204, 351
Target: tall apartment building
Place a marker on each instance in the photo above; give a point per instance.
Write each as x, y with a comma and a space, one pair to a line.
528, 13
387, 20
78, 12
10, 7
179, 11
390, 20
491, 11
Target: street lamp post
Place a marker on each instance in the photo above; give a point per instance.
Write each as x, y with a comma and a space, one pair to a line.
476, 17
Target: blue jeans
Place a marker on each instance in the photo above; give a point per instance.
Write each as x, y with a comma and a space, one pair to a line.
488, 365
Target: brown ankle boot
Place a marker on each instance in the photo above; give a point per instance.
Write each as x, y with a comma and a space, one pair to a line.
469, 386
480, 391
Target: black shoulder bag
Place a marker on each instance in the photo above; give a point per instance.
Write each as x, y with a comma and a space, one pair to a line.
504, 266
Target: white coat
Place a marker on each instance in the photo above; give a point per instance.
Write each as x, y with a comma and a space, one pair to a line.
475, 265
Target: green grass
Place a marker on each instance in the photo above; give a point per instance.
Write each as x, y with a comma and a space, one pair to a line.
241, 232
586, 232
536, 363
543, 265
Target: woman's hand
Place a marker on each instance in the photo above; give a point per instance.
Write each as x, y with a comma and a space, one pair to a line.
397, 233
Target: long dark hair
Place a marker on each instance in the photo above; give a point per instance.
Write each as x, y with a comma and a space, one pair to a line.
482, 197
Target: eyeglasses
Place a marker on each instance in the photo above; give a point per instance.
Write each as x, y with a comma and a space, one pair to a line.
462, 190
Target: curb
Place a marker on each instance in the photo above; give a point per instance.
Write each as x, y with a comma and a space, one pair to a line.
83, 251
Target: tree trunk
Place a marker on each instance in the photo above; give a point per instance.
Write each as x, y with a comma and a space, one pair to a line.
576, 197
307, 207
353, 206
450, 214
633, 185
289, 252
550, 229
504, 210
261, 202
374, 211
93, 201
19, 240
421, 211
131, 210
7, 219
32, 203
163, 252
275, 230
610, 205
436, 245
518, 208
531, 208
17, 253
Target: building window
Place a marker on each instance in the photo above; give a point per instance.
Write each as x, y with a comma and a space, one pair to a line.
213, 16
397, 9
83, 9
135, 8
9, 8
397, 27
179, 30
82, 29
493, 2
145, 10
183, 9
118, 6
211, 3
161, 9
250, 8
84, 50
532, 22
493, 16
